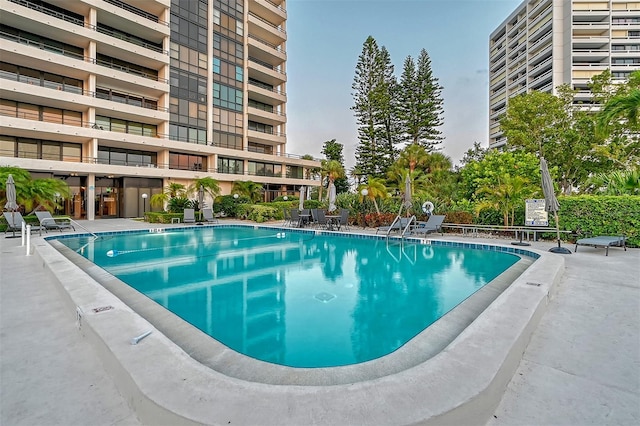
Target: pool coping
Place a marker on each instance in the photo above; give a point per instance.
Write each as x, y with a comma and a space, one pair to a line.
464, 382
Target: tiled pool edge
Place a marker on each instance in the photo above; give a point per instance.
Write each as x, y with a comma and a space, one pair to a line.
450, 388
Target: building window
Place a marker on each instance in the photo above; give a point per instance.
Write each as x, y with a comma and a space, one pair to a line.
125, 157
124, 126
227, 140
186, 162
227, 97
295, 172
265, 169
40, 149
230, 165
260, 127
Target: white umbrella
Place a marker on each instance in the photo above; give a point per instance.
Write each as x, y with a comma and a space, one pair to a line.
11, 203
332, 197
551, 202
301, 205
200, 201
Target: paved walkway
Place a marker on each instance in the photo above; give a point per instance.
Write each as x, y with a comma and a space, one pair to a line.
581, 367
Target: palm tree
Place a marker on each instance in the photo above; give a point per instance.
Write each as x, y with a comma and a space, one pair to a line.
506, 196
171, 191
331, 169
210, 186
33, 193
625, 106
374, 189
625, 182
412, 156
249, 189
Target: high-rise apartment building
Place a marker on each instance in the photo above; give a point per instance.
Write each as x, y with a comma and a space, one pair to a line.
121, 98
546, 43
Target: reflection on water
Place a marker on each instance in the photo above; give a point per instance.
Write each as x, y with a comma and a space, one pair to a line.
297, 299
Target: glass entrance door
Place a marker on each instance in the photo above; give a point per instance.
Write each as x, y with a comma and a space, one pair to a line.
106, 200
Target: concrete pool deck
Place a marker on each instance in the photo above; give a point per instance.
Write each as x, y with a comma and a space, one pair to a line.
582, 365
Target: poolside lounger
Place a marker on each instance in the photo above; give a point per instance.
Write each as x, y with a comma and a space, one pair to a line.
207, 214
14, 223
432, 225
605, 241
189, 216
49, 222
398, 226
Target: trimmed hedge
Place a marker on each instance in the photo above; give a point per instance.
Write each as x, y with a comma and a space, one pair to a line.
601, 215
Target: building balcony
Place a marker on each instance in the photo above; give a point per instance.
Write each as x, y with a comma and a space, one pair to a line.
272, 11
265, 72
266, 94
273, 138
266, 117
265, 52
265, 30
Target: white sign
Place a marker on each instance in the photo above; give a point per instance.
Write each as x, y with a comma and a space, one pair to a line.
535, 213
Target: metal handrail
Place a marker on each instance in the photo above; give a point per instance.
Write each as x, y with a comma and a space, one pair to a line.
412, 220
42, 222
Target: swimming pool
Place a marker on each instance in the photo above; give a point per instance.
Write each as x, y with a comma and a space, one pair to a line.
297, 298
454, 372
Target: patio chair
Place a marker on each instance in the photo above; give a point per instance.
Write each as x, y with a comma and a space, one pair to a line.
295, 218
433, 224
49, 222
314, 218
189, 216
322, 219
344, 219
207, 214
287, 217
14, 223
305, 216
397, 226
605, 241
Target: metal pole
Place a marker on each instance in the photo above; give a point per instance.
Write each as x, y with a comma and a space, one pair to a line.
28, 240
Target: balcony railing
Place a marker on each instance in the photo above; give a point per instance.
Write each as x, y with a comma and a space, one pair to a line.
266, 43
136, 11
64, 52
275, 27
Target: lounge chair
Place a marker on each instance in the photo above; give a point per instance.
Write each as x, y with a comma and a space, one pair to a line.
287, 217
398, 226
14, 223
322, 219
433, 224
344, 219
189, 216
295, 218
207, 214
605, 241
49, 222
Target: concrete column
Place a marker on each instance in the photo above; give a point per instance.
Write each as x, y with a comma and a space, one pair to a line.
90, 196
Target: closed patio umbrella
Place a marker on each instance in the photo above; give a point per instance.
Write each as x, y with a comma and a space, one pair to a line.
407, 193
551, 202
332, 197
11, 203
200, 202
301, 205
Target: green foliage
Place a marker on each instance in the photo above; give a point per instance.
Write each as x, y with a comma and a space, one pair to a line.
33, 193
161, 217
373, 88
248, 189
493, 166
227, 205
178, 204
458, 217
420, 103
258, 212
602, 215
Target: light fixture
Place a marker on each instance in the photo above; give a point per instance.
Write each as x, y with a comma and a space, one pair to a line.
364, 192
235, 196
285, 198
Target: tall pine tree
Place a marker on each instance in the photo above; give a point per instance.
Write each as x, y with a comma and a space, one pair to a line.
420, 105
371, 95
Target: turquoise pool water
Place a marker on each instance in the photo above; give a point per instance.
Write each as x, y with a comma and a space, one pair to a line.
298, 299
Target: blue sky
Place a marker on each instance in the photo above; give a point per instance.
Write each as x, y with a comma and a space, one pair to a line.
325, 38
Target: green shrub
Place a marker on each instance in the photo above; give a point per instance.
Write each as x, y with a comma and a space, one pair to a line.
601, 215
258, 212
458, 217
